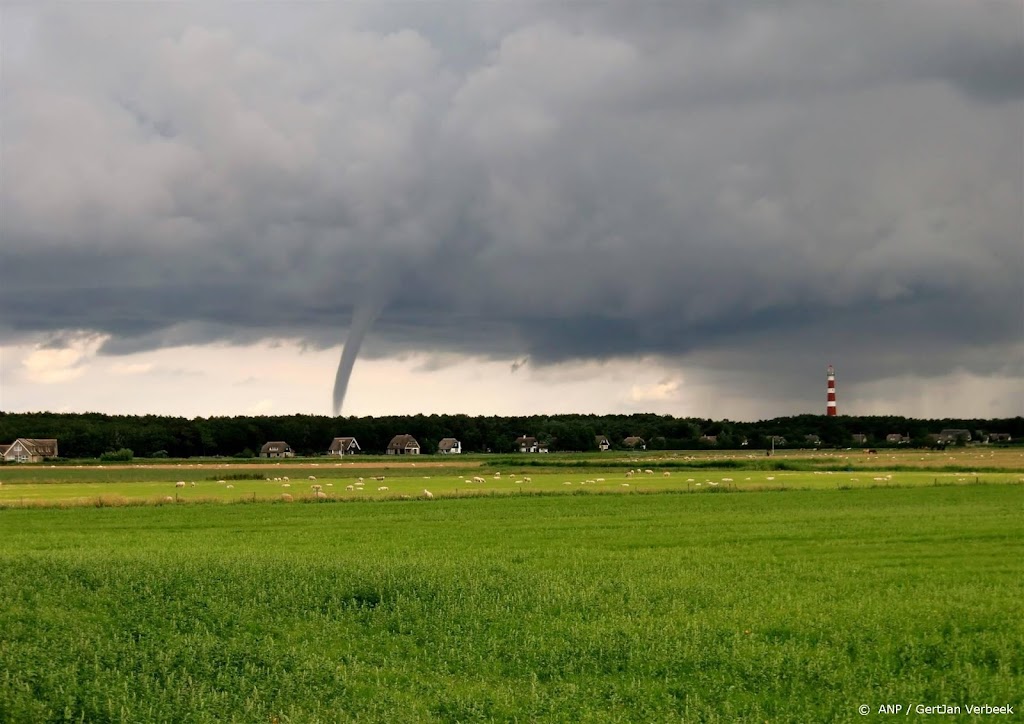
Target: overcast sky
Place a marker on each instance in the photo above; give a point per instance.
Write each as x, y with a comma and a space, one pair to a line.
687, 208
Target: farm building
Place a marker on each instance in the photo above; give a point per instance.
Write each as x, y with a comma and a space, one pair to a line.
449, 446
343, 446
277, 449
859, 438
526, 444
603, 443
897, 438
951, 435
403, 445
635, 442
29, 450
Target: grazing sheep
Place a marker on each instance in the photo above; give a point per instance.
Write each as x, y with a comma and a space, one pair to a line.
477, 479
377, 477
625, 485
666, 473
168, 499
180, 484
312, 477
382, 488
330, 485
359, 480
629, 474
222, 481
285, 477
726, 480
286, 485
427, 494
349, 488
286, 497
230, 487
321, 495
596, 480
497, 475
568, 482
527, 480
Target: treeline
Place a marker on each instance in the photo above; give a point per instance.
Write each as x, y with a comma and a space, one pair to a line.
92, 434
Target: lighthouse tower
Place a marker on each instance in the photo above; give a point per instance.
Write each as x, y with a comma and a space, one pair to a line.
830, 406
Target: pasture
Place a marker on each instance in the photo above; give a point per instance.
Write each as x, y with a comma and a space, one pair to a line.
775, 595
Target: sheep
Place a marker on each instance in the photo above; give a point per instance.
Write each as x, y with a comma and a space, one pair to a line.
649, 472
625, 485
349, 488
427, 494
168, 499
193, 483
527, 480
312, 477
382, 488
180, 484
597, 480
230, 487
666, 473
726, 480
377, 477
497, 474
359, 480
321, 495
222, 481
478, 479
285, 478
315, 487
286, 498
568, 482
286, 485
330, 485
629, 474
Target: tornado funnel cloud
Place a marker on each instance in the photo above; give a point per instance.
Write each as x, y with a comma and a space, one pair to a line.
363, 317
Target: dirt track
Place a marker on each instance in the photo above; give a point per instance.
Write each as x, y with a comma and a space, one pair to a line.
383, 464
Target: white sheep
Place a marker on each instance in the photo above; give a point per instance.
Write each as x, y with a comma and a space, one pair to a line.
168, 499
320, 495
180, 484
649, 472
286, 485
312, 477
596, 480
230, 487
349, 488
478, 479
382, 488
666, 473
286, 497
285, 478
629, 474
527, 480
427, 494
625, 485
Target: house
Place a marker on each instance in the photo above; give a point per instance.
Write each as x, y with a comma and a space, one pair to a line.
999, 437
859, 438
603, 443
709, 439
29, 450
635, 442
526, 444
276, 450
897, 438
344, 446
812, 439
953, 435
449, 446
403, 445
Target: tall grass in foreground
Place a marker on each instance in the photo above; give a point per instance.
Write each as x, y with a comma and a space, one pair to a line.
796, 607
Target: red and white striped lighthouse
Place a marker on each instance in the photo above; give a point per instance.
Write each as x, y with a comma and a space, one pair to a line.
830, 406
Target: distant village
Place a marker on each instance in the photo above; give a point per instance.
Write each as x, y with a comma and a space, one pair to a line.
34, 450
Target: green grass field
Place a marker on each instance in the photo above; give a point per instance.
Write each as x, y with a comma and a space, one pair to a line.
761, 606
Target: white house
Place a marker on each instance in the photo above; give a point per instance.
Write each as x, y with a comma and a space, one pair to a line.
343, 446
29, 450
403, 445
449, 446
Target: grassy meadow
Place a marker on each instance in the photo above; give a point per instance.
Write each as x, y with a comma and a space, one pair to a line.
794, 599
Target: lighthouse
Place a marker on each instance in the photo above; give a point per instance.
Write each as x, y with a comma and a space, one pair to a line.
830, 405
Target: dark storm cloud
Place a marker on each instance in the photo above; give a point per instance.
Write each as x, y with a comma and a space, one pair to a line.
697, 179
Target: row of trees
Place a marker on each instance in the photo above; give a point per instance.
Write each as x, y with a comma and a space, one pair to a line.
92, 434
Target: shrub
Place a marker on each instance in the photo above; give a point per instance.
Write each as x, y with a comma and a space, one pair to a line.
123, 455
